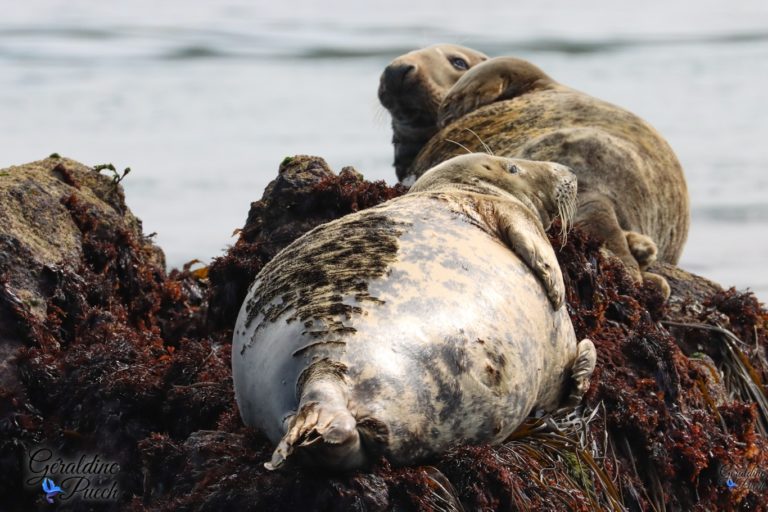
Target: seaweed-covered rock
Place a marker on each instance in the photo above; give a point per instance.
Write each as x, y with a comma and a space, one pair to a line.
134, 364
305, 193
91, 341
673, 441
55, 214
669, 422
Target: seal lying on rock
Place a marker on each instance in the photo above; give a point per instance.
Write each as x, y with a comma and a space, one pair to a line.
431, 320
632, 192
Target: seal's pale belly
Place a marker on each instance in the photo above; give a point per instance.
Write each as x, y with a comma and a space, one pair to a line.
444, 335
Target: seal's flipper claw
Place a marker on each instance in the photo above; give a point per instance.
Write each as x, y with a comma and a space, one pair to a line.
553, 283
586, 358
278, 457
645, 251
340, 429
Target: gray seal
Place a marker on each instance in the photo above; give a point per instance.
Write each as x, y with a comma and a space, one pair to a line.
432, 320
632, 191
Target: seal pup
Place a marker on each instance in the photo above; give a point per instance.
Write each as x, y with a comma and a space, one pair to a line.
632, 191
412, 87
431, 320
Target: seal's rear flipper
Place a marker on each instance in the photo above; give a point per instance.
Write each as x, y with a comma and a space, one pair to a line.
320, 434
586, 358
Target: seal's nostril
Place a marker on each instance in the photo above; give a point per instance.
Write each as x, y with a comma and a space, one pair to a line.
395, 74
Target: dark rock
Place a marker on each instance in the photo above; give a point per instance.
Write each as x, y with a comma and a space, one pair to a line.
110, 355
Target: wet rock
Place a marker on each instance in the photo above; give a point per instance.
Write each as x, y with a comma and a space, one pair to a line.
123, 360
56, 217
89, 326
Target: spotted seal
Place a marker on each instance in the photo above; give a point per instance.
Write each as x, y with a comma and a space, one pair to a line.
431, 320
632, 191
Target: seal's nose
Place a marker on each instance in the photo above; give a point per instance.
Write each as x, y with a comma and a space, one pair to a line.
394, 75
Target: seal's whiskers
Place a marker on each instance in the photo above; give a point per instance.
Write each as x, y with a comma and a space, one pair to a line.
381, 115
487, 149
566, 211
459, 144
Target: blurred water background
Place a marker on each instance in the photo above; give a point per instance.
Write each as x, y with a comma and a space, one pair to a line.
204, 99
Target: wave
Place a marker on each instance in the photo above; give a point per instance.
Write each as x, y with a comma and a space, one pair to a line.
569, 46
733, 213
271, 41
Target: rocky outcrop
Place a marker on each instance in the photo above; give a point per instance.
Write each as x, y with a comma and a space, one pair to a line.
110, 355
86, 312
58, 218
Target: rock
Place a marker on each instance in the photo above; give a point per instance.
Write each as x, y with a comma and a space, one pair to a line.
90, 323
305, 193
50, 211
122, 360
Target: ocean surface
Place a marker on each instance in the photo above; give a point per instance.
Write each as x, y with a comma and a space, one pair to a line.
204, 99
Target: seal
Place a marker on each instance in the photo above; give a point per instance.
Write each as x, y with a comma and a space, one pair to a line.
412, 88
431, 320
632, 191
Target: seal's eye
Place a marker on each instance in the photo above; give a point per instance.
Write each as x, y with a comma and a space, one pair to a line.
459, 63
513, 169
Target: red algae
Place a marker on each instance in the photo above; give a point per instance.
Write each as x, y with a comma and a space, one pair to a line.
117, 357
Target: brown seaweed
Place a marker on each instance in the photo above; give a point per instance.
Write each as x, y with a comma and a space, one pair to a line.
113, 355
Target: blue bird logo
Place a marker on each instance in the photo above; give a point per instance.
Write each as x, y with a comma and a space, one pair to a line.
50, 489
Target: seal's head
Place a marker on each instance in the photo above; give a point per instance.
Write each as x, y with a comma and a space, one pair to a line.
412, 87
498, 79
546, 188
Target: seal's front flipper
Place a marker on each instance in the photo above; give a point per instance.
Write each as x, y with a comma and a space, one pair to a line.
642, 248
645, 252
586, 358
660, 282
528, 240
